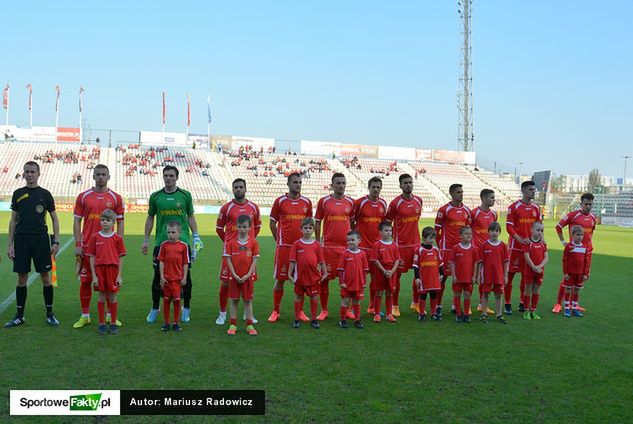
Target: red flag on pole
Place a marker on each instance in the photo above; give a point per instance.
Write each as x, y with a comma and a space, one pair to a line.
188, 110
164, 109
57, 100
5, 97
30, 88
81, 90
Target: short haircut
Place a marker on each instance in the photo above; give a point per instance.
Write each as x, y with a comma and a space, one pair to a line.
307, 221
238, 180
293, 175
403, 177
464, 229
170, 168
101, 166
494, 226
174, 224
587, 196
536, 224
577, 229
337, 175
525, 184
353, 233
108, 214
31, 163
454, 187
384, 224
428, 231
244, 219
485, 193
375, 179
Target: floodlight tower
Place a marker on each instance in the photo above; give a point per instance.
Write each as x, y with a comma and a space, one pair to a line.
465, 137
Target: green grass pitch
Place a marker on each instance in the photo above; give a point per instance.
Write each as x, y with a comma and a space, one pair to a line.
555, 370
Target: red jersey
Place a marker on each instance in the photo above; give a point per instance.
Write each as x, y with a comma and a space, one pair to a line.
493, 258
427, 260
385, 253
586, 220
226, 225
464, 258
288, 214
577, 258
335, 216
174, 256
89, 206
449, 220
480, 222
405, 215
307, 256
368, 215
519, 221
536, 251
354, 268
242, 254
106, 249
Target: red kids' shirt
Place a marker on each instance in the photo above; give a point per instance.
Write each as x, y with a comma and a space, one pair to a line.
493, 258
536, 250
174, 256
385, 253
107, 249
307, 255
577, 258
242, 254
354, 268
428, 260
465, 258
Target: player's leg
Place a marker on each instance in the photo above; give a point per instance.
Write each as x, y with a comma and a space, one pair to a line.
457, 301
534, 298
20, 300
483, 301
433, 295
232, 312
156, 289
345, 302
356, 306
498, 302
40, 251
440, 293
314, 306
377, 305
85, 291
527, 298
395, 297
298, 304
113, 307
578, 284
223, 292
422, 305
186, 297
166, 306
467, 293
280, 275
248, 310
558, 306
101, 302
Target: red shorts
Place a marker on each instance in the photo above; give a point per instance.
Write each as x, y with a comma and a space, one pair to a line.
332, 256
517, 261
575, 281
406, 258
225, 273
380, 282
171, 290
463, 287
282, 262
531, 279
85, 276
106, 274
353, 294
446, 253
311, 290
492, 288
244, 290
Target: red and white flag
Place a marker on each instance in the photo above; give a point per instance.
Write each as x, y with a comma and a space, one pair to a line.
57, 99
30, 88
5, 97
81, 90
188, 110
164, 109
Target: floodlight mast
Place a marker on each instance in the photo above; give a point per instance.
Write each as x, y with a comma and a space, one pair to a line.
465, 136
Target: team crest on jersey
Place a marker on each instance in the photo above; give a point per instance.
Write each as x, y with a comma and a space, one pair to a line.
381, 209
305, 209
108, 204
284, 269
533, 213
39, 209
178, 204
347, 210
417, 210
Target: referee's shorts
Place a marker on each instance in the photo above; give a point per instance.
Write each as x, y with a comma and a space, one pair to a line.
35, 247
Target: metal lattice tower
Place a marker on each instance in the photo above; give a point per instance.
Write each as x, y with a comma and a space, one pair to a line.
465, 137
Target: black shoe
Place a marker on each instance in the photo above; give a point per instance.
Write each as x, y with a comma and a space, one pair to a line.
315, 324
501, 319
466, 319
436, 317
51, 320
421, 317
176, 327
459, 318
453, 311
508, 309
165, 327
17, 320
113, 329
521, 307
359, 324
438, 311
343, 323
484, 319
296, 323
102, 329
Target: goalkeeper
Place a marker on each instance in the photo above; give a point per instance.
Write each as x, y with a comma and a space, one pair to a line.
171, 203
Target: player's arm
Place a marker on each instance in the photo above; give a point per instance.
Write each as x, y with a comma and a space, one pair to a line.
77, 235
545, 260
273, 228
12, 221
379, 266
317, 230
185, 270
528, 260
510, 228
229, 263
55, 220
476, 274
119, 277
197, 243
451, 265
252, 269
324, 273
587, 267
120, 226
291, 270
149, 225
506, 269
416, 276
559, 230
258, 222
161, 269
95, 280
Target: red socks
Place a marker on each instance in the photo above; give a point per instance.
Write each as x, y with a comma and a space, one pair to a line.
440, 293
535, 298
356, 308
422, 305
298, 308
481, 295
433, 306
224, 296
372, 296
233, 321
324, 294
277, 296
415, 293
522, 286
458, 304
377, 305
388, 304
314, 306
85, 296
466, 306
396, 292
166, 314
561, 292
101, 309
177, 311
343, 312
507, 291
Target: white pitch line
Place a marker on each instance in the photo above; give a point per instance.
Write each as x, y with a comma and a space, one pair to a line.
9, 300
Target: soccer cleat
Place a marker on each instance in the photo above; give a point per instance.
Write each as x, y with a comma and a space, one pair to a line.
315, 324
343, 324
577, 313
580, 308
490, 311
508, 309
480, 308
377, 318
395, 311
176, 327
350, 315
567, 313
527, 315
557, 308
438, 310
296, 323
185, 314
165, 327
254, 319
18, 320
466, 319
251, 330
151, 317
415, 308
484, 319
359, 324
221, 320
501, 319
113, 329
102, 329
109, 317
459, 318
302, 316
323, 315
81, 322
274, 317
453, 311
469, 312
391, 318
52, 321
421, 317
232, 330
534, 315
370, 311
521, 307
436, 317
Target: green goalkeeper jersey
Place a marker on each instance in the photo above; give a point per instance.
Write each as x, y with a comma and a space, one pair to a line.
176, 206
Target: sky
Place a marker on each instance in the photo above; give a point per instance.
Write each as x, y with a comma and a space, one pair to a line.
552, 81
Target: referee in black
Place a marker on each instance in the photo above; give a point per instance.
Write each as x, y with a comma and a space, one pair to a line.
29, 240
